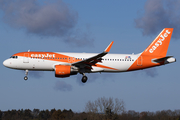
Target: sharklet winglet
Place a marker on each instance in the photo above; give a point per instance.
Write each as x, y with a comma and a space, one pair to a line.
109, 47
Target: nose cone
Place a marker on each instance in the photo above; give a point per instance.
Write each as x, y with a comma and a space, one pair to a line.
5, 63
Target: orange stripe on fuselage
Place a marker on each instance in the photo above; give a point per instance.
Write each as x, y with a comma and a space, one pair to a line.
52, 56
102, 66
146, 62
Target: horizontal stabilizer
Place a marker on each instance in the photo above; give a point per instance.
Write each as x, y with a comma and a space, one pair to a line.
166, 60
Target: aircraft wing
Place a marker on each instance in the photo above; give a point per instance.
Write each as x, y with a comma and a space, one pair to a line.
87, 63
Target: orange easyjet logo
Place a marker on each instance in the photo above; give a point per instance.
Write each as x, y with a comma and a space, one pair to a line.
159, 42
43, 55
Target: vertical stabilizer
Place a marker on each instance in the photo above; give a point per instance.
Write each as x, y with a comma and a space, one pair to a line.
160, 44
155, 51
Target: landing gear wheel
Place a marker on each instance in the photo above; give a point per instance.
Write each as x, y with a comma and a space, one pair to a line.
84, 79
26, 73
25, 78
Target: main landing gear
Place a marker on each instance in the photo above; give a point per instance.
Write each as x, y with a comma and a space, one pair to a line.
84, 78
26, 73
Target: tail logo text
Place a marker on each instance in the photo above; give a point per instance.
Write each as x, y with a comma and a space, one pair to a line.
159, 42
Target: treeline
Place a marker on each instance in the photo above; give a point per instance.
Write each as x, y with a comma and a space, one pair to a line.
54, 114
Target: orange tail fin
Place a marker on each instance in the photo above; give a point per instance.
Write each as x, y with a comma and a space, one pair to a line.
160, 44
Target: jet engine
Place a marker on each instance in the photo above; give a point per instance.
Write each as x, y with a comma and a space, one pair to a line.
64, 71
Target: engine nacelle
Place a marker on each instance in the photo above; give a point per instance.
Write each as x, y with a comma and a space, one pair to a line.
64, 71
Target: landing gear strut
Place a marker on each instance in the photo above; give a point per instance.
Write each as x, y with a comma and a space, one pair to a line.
26, 73
84, 78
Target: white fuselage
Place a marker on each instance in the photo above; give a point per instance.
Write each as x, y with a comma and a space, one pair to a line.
118, 62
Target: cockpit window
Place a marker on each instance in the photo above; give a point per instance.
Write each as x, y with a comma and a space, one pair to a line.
14, 57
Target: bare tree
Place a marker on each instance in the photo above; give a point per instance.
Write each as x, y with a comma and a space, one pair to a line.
102, 104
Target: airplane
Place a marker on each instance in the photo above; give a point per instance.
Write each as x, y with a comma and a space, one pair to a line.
67, 64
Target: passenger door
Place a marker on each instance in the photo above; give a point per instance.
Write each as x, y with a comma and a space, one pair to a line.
26, 58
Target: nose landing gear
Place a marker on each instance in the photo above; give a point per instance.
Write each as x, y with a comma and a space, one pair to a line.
26, 73
25, 78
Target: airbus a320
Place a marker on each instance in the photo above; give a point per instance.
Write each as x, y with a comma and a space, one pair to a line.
67, 64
